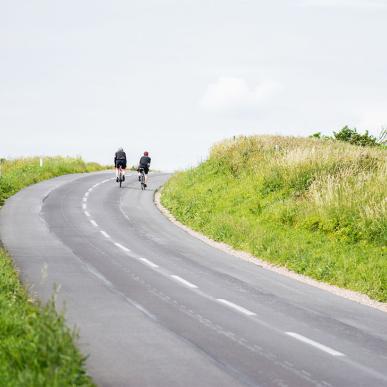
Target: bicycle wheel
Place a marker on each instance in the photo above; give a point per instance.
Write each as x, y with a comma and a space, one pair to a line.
143, 182
120, 179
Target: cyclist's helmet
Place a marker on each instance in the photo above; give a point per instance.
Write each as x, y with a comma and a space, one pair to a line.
146, 153
120, 149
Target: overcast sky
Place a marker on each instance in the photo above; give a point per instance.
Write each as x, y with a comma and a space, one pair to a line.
83, 77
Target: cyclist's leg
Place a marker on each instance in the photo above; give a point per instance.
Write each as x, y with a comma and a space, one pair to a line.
116, 172
140, 172
146, 175
119, 169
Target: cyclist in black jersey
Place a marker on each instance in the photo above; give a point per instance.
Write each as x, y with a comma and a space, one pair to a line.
120, 160
144, 164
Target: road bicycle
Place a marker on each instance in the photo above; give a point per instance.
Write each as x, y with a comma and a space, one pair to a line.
142, 178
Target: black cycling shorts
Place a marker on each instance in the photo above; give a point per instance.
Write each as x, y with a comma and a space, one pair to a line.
146, 169
122, 163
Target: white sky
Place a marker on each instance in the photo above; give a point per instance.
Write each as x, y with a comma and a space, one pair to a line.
83, 77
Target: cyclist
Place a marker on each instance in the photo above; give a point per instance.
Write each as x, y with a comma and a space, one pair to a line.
120, 160
144, 164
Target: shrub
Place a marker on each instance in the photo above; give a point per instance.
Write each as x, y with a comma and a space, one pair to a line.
353, 137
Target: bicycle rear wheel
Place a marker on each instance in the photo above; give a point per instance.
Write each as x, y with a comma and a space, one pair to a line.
120, 179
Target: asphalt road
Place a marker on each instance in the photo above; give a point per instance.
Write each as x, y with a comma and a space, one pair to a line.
156, 307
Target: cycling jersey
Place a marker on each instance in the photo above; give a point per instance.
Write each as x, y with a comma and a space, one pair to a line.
120, 159
145, 162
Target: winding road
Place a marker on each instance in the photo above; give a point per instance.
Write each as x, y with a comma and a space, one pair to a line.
157, 307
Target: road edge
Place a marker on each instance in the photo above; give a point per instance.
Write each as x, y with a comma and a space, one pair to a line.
344, 293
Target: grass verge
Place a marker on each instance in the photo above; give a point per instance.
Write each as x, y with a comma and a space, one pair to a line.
36, 347
316, 207
19, 173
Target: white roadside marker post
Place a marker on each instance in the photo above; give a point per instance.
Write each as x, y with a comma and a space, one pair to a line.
41, 162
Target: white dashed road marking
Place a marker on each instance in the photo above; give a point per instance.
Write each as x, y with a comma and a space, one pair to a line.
121, 247
315, 344
184, 282
236, 307
229, 304
150, 263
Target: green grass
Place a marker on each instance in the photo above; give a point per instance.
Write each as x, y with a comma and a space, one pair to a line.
19, 173
316, 207
36, 347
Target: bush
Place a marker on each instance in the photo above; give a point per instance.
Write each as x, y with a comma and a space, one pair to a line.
353, 137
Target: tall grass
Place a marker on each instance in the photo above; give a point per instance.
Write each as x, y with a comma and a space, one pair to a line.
316, 206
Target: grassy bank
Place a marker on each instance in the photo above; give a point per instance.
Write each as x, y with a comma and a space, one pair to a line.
36, 347
317, 207
19, 173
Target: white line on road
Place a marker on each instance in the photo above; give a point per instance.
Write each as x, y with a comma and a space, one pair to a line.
87, 213
184, 282
105, 234
236, 307
86, 194
315, 344
84, 206
121, 247
148, 262
94, 223
84, 199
